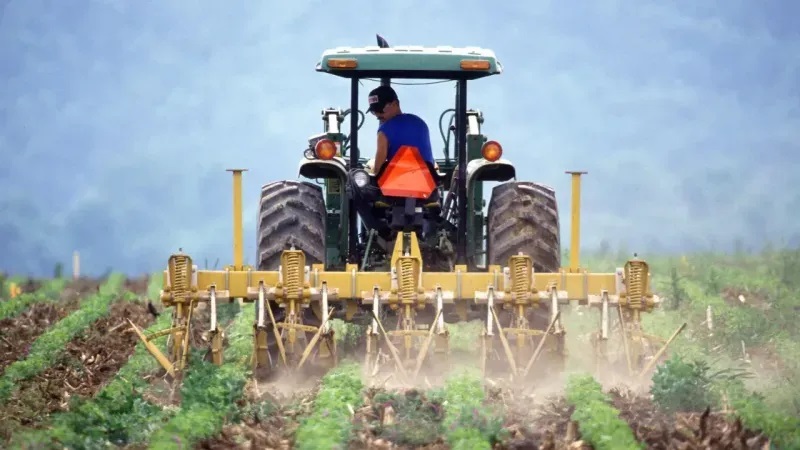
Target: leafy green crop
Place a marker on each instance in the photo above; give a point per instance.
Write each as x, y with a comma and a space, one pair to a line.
117, 414
209, 393
46, 349
329, 425
782, 429
598, 421
467, 422
50, 291
689, 386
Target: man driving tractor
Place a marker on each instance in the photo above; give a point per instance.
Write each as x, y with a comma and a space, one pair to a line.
396, 129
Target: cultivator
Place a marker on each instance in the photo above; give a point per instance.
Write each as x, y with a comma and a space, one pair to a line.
405, 290
313, 263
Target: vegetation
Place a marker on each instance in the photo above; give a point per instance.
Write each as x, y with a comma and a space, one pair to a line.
117, 414
51, 344
329, 424
49, 292
746, 364
209, 393
468, 422
599, 422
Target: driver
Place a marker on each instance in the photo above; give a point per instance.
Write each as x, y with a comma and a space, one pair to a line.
395, 130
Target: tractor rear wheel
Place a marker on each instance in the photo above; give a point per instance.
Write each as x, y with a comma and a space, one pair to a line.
523, 217
291, 213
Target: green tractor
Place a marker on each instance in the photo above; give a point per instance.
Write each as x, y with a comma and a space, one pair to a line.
452, 260
318, 217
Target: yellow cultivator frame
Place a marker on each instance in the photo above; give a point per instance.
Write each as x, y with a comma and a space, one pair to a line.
406, 288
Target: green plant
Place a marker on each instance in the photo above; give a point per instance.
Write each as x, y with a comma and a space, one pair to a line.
329, 424
117, 414
46, 349
468, 423
677, 292
599, 422
690, 386
418, 418
58, 271
209, 394
50, 291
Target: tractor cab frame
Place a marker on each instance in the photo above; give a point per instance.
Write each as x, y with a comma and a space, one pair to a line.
336, 157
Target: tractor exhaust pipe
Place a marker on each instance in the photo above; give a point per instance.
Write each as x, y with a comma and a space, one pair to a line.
383, 44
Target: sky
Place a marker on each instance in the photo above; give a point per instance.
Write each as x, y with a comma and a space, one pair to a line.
118, 118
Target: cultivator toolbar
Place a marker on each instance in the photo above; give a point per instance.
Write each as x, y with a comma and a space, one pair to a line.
414, 296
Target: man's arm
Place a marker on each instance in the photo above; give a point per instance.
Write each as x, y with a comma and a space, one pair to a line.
381, 152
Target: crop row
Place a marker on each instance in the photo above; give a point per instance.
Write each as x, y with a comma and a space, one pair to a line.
329, 424
45, 350
598, 421
209, 393
117, 414
50, 291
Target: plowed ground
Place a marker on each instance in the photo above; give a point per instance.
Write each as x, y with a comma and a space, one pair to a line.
91, 359
20, 331
393, 418
408, 419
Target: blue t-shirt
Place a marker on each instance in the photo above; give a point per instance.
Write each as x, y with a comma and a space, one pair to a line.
407, 129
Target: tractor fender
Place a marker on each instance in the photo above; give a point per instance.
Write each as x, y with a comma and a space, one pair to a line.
321, 168
483, 170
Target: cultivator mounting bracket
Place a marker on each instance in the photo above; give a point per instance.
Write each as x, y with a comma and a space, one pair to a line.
519, 295
183, 296
634, 299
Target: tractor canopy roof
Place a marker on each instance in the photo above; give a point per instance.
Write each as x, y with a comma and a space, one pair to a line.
444, 63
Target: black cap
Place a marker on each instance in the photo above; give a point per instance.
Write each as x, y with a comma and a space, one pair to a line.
379, 97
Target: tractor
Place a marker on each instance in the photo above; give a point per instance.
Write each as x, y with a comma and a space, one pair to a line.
451, 260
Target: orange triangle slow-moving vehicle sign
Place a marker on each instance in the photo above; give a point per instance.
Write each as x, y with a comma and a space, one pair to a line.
407, 175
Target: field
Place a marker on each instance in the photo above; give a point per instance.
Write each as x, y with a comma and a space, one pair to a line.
73, 375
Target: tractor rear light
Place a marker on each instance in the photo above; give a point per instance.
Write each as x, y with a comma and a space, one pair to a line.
492, 151
474, 64
342, 63
325, 149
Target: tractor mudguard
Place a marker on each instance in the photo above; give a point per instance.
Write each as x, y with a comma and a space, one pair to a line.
484, 170
322, 168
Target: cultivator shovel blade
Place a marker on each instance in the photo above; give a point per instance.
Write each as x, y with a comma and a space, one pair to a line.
158, 354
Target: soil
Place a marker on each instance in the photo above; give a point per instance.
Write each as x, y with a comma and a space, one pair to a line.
271, 430
691, 430
393, 416
743, 297
137, 285
20, 331
90, 360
